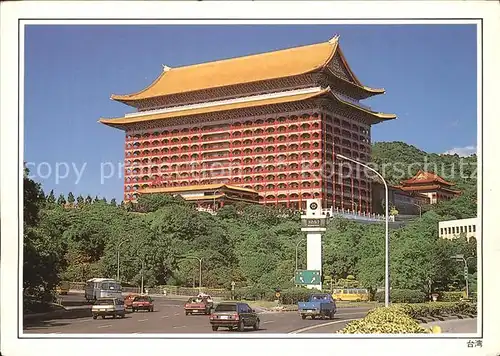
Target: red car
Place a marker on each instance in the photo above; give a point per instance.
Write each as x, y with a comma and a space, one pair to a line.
198, 305
142, 302
129, 299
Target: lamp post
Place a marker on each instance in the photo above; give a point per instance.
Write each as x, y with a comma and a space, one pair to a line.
387, 276
118, 260
466, 271
142, 275
199, 259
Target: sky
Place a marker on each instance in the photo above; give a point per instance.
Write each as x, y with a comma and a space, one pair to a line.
429, 73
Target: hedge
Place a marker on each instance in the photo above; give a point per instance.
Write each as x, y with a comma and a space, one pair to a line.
402, 296
438, 309
450, 296
287, 296
384, 321
400, 318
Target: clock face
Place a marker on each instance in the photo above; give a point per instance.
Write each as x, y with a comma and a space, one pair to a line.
313, 206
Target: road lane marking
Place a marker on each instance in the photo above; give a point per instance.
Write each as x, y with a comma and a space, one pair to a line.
179, 327
176, 314
267, 322
320, 326
165, 316
104, 326
142, 320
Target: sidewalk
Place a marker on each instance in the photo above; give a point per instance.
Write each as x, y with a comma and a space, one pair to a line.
455, 326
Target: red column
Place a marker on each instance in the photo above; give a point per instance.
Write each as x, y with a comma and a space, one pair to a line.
334, 167
322, 159
300, 170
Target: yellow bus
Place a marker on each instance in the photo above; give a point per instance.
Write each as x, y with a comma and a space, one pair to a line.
63, 288
351, 294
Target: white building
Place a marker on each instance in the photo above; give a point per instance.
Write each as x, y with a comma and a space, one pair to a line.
451, 229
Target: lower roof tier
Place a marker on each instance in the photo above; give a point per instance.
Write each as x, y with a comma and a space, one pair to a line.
264, 104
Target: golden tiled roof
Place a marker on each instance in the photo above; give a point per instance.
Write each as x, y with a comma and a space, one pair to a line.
238, 105
426, 177
190, 188
239, 70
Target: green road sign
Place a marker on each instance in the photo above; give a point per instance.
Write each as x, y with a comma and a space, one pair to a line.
308, 277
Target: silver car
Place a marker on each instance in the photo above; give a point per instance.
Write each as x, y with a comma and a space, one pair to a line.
108, 307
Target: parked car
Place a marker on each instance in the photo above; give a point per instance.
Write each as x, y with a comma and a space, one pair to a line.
198, 305
319, 305
108, 307
234, 315
142, 302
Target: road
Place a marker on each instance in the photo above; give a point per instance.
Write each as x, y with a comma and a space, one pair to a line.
169, 317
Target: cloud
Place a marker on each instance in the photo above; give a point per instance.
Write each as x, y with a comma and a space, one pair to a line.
462, 151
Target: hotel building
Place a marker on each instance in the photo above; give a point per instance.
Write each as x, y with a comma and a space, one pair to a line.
271, 123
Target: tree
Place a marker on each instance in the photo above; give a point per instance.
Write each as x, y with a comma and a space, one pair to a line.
79, 200
71, 198
113, 202
96, 199
61, 200
51, 199
104, 200
42, 256
88, 200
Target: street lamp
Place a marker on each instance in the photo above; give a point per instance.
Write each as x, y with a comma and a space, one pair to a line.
118, 260
199, 259
466, 270
142, 275
387, 276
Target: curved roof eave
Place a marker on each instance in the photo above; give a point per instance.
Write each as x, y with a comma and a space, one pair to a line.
380, 115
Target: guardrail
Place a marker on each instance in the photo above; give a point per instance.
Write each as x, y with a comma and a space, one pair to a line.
166, 290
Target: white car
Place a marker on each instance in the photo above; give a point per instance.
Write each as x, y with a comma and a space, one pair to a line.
108, 307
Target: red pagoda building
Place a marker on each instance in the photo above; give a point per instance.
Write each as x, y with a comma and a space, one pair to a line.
431, 185
269, 122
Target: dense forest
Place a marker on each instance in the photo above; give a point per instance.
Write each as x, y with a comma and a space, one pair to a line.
68, 238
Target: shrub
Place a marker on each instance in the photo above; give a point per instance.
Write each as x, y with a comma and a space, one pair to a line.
450, 296
400, 318
295, 295
256, 292
391, 320
402, 296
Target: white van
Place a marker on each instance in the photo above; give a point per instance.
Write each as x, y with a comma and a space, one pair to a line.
97, 288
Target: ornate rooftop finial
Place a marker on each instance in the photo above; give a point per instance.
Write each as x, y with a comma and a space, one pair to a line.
334, 39
166, 68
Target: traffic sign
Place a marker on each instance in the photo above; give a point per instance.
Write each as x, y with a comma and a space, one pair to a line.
308, 277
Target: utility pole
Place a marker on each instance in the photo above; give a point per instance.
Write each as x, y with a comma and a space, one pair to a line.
142, 276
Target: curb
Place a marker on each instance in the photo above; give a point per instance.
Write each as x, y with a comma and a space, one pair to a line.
59, 314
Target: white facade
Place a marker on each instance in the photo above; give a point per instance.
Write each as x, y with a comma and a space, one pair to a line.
451, 229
